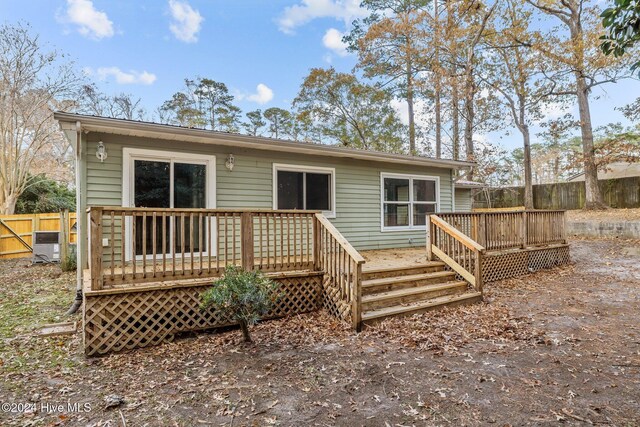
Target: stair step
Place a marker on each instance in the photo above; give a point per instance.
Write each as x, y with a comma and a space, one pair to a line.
411, 295
382, 272
386, 284
369, 317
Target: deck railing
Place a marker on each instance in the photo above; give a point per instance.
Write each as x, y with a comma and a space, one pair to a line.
342, 265
461, 253
510, 230
137, 245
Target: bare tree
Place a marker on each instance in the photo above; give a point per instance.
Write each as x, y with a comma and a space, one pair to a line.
33, 83
577, 65
122, 106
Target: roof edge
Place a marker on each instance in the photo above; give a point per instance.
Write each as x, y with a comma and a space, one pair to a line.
163, 131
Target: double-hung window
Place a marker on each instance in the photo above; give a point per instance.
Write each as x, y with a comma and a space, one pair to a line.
407, 199
304, 187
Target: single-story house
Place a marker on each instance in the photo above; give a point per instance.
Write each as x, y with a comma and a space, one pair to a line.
377, 200
613, 170
169, 208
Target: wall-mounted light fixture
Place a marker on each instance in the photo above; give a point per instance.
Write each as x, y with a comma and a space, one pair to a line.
230, 163
101, 152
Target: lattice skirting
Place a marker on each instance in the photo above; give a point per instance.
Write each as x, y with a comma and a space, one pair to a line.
332, 303
128, 320
498, 266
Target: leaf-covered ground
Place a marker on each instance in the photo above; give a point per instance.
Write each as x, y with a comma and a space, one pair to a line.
605, 215
556, 346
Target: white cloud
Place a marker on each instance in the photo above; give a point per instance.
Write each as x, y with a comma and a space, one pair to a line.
263, 94
554, 110
122, 77
91, 22
421, 115
308, 10
333, 40
186, 21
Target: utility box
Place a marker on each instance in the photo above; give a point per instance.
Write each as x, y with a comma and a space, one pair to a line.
46, 246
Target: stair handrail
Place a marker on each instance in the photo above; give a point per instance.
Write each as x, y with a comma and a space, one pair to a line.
342, 265
457, 250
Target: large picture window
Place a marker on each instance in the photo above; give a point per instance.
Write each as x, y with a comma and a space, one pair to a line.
406, 200
305, 188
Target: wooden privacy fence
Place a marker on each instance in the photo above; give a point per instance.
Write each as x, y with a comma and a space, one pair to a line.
617, 193
16, 231
507, 230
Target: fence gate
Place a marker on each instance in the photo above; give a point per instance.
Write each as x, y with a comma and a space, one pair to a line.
16, 231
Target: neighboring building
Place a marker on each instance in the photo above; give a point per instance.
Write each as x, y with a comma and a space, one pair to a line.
464, 192
613, 171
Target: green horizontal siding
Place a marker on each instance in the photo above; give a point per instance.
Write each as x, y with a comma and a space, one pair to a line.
250, 184
463, 199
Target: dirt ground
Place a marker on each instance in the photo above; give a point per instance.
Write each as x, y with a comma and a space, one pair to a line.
605, 215
560, 346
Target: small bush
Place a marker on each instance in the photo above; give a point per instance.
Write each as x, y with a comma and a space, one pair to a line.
244, 296
70, 263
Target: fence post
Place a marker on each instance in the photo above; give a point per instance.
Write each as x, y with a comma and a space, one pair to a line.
246, 227
64, 234
95, 235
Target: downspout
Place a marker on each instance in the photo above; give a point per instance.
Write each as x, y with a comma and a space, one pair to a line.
77, 302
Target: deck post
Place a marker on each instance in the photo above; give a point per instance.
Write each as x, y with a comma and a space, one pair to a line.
478, 270
246, 247
482, 230
523, 230
317, 242
429, 231
95, 233
356, 298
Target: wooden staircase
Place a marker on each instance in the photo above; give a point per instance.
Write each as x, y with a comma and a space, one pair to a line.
403, 291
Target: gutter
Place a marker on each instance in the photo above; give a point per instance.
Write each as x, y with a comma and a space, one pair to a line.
177, 133
77, 302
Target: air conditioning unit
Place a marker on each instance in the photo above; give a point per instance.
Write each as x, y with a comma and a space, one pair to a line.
46, 246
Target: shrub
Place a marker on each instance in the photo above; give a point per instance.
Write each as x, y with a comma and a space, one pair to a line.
70, 263
244, 296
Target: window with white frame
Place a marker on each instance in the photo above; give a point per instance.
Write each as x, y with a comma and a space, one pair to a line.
407, 199
161, 179
304, 187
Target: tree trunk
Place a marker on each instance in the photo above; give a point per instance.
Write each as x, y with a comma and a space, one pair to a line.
455, 119
245, 331
593, 196
9, 204
528, 181
438, 80
412, 125
469, 91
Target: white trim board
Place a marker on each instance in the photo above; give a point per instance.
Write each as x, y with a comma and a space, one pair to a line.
131, 154
410, 202
303, 168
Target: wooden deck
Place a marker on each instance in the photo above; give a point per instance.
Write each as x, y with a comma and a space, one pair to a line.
130, 305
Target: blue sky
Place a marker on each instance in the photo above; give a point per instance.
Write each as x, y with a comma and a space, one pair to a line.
262, 49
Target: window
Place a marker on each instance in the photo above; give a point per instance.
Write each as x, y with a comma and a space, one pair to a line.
304, 187
407, 199
157, 179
